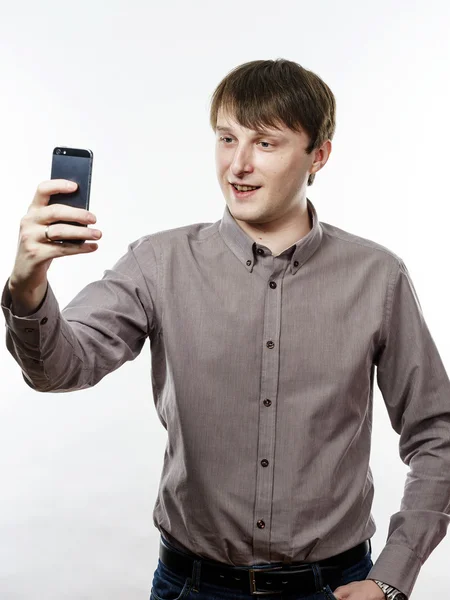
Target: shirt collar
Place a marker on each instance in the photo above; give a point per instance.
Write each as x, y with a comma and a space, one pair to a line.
244, 248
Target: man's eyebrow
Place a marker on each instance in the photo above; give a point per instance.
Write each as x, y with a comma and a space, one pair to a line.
257, 131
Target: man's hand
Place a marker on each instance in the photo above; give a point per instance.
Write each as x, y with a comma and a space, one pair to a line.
28, 280
359, 590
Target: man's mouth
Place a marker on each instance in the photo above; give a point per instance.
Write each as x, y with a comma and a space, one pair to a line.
242, 192
245, 188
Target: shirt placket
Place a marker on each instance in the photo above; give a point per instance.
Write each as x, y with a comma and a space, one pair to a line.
262, 516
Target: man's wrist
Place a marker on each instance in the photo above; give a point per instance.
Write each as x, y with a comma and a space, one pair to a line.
25, 301
390, 592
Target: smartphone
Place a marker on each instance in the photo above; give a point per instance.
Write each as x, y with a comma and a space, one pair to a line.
74, 164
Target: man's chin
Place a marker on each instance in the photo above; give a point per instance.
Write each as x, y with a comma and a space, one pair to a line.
248, 214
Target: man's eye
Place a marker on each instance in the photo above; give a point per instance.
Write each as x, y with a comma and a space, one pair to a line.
223, 138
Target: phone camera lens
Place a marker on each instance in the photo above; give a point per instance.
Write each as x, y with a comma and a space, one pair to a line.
57, 151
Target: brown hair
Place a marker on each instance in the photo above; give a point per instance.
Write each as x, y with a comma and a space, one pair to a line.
269, 92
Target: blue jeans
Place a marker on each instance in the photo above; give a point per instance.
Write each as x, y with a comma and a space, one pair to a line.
167, 585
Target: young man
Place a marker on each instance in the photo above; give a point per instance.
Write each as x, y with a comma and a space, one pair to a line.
265, 329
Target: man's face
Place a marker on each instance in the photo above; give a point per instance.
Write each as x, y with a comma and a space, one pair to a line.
273, 159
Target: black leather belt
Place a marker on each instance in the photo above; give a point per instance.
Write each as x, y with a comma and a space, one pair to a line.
296, 577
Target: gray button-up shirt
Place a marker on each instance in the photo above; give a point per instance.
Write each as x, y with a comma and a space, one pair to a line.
262, 373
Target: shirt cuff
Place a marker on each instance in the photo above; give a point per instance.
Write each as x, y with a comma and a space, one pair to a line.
397, 566
47, 311
27, 336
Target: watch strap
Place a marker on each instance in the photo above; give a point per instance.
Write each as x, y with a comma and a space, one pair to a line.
390, 592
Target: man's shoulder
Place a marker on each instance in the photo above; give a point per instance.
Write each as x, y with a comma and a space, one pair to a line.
357, 244
169, 237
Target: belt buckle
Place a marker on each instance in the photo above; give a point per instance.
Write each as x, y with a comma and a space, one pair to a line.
253, 590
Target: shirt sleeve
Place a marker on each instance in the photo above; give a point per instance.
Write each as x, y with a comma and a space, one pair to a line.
105, 325
416, 390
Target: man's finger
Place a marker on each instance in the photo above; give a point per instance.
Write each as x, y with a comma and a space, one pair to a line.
50, 187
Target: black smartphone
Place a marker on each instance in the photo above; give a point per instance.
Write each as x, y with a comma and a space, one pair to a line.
74, 164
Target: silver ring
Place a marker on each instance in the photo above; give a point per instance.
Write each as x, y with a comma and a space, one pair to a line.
49, 239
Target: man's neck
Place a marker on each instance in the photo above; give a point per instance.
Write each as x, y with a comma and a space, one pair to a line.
279, 236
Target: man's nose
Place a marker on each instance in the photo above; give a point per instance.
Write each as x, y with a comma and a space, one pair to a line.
241, 162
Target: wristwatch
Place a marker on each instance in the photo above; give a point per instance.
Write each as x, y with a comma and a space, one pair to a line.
390, 592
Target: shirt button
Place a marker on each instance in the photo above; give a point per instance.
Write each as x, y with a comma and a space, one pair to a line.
267, 402
261, 524
29, 329
248, 263
260, 251
273, 285
44, 321
270, 344
264, 462
295, 263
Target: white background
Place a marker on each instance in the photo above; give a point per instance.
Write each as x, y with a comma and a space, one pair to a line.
133, 82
